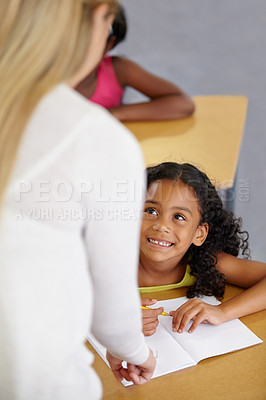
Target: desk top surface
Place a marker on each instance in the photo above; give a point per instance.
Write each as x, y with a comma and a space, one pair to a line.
233, 376
210, 139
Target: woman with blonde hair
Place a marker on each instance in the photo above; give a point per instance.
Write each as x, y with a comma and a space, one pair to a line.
64, 240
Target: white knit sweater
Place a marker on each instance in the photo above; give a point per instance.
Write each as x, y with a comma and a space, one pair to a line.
69, 235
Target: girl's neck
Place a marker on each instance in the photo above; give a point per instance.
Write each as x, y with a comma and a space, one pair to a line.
88, 85
159, 273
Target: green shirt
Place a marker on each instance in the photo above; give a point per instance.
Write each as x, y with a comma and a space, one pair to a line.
188, 280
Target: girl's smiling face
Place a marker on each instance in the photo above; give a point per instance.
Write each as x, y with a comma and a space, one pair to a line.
171, 222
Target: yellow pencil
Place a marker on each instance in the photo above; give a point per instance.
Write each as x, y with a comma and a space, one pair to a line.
147, 308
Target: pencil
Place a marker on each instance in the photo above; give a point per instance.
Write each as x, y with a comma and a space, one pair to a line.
163, 313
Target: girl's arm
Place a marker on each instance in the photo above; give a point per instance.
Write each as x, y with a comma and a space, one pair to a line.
248, 274
244, 273
167, 101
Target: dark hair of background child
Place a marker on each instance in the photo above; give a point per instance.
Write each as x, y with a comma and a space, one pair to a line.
119, 27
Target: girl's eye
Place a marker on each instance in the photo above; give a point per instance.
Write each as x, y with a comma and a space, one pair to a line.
179, 217
151, 211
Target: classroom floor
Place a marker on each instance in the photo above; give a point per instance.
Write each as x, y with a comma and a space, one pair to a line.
212, 48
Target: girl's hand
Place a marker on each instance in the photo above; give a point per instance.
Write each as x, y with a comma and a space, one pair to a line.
199, 312
150, 317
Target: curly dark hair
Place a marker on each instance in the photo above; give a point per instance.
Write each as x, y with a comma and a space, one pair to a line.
225, 234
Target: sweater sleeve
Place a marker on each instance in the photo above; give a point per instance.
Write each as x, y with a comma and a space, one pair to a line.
112, 242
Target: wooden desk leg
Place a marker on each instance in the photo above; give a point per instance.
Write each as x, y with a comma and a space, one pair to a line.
228, 197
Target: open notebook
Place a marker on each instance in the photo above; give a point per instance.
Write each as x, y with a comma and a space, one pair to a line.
175, 351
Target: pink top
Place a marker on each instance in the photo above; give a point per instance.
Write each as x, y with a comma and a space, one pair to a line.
108, 92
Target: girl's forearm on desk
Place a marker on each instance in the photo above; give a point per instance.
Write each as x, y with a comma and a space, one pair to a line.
172, 106
248, 302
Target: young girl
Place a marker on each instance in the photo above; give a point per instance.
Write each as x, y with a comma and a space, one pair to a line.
189, 239
106, 85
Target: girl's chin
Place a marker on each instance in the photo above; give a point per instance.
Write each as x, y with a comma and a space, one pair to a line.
161, 256
158, 257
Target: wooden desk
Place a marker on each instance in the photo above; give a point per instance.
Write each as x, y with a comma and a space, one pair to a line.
210, 139
240, 375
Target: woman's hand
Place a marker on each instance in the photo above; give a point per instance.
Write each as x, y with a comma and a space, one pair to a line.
150, 317
199, 312
138, 374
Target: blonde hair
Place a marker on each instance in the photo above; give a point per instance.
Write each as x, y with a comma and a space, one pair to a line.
42, 43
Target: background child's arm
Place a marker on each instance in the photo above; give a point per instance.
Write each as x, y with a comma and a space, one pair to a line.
167, 101
244, 273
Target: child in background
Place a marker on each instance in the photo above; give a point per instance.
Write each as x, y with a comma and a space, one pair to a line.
189, 239
106, 85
